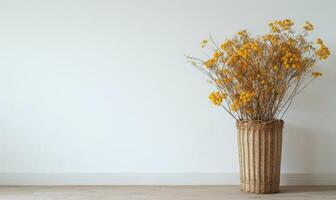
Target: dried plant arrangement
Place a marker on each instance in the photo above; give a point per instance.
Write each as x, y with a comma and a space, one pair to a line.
256, 80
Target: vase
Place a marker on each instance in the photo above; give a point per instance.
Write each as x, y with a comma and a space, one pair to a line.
259, 147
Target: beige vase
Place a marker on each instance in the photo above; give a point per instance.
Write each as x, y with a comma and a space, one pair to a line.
259, 145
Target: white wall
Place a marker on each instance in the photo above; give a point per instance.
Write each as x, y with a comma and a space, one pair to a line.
103, 86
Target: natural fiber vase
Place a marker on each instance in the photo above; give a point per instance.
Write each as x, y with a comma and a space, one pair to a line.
259, 145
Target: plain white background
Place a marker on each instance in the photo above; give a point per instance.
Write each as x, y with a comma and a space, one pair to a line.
104, 86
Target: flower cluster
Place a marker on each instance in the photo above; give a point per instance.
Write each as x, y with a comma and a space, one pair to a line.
323, 52
216, 98
281, 25
308, 26
258, 76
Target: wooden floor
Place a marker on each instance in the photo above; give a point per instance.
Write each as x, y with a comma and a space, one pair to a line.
158, 193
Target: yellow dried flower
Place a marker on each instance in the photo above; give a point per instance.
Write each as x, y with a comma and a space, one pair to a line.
210, 63
319, 41
235, 106
242, 33
274, 28
285, 24
316, 74
226, 44
323, 52
246, 97
308, 26
216, 98
217, 54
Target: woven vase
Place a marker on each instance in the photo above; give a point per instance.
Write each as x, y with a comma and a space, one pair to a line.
259, 145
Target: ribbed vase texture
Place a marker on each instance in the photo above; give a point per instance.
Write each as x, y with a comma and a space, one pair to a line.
259, 145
